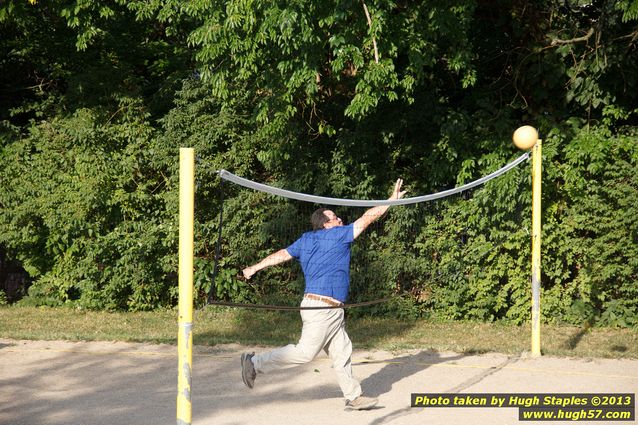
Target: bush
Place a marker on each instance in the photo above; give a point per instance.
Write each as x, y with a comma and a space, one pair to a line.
88, 214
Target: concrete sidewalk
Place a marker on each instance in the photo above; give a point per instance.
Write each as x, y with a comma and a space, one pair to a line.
100, 383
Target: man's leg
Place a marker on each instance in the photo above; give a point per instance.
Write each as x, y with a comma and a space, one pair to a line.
315, 333
339, 348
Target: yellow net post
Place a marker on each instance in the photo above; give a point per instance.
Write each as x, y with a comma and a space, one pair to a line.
185, 321
536, 247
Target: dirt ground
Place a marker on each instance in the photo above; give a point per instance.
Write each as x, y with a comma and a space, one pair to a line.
100, 383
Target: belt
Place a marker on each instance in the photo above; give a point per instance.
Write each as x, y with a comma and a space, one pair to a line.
328, 300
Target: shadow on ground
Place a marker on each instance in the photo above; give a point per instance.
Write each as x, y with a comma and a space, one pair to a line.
403, 367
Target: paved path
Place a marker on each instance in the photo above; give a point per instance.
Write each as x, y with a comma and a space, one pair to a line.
104, 383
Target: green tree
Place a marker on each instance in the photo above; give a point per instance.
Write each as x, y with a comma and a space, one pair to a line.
331, 98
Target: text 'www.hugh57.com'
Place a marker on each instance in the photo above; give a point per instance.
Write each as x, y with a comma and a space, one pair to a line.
541, 407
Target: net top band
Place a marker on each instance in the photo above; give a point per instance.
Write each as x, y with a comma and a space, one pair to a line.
226, 175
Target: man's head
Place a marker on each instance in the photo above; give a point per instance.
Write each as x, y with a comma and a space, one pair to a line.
323, 218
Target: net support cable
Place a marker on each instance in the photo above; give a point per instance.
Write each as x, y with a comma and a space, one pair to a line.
366, 203
225, 175
295, 308
218, 247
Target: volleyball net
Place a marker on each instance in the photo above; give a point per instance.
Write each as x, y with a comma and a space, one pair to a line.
434, 254
458, 253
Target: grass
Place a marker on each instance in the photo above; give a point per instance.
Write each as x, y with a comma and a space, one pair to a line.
226, 325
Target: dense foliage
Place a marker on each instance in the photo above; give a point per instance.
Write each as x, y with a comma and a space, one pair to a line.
333, 98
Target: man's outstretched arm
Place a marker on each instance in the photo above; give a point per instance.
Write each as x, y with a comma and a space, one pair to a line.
373, 214
278, 257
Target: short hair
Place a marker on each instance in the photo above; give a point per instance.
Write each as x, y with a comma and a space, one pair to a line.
318, 219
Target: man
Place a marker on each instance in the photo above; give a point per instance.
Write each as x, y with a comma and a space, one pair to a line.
324, 254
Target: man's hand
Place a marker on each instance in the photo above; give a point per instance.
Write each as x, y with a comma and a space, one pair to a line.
375, 213
249, 272
396, 193
278, 257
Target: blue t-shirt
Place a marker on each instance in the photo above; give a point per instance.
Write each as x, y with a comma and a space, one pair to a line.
325, 260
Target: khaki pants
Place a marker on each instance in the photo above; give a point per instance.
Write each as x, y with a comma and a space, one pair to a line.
322, 329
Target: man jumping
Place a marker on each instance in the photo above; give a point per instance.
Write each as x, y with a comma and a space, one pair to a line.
324, 254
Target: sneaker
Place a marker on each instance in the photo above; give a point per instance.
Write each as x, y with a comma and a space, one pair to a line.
248, 373
362, 403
